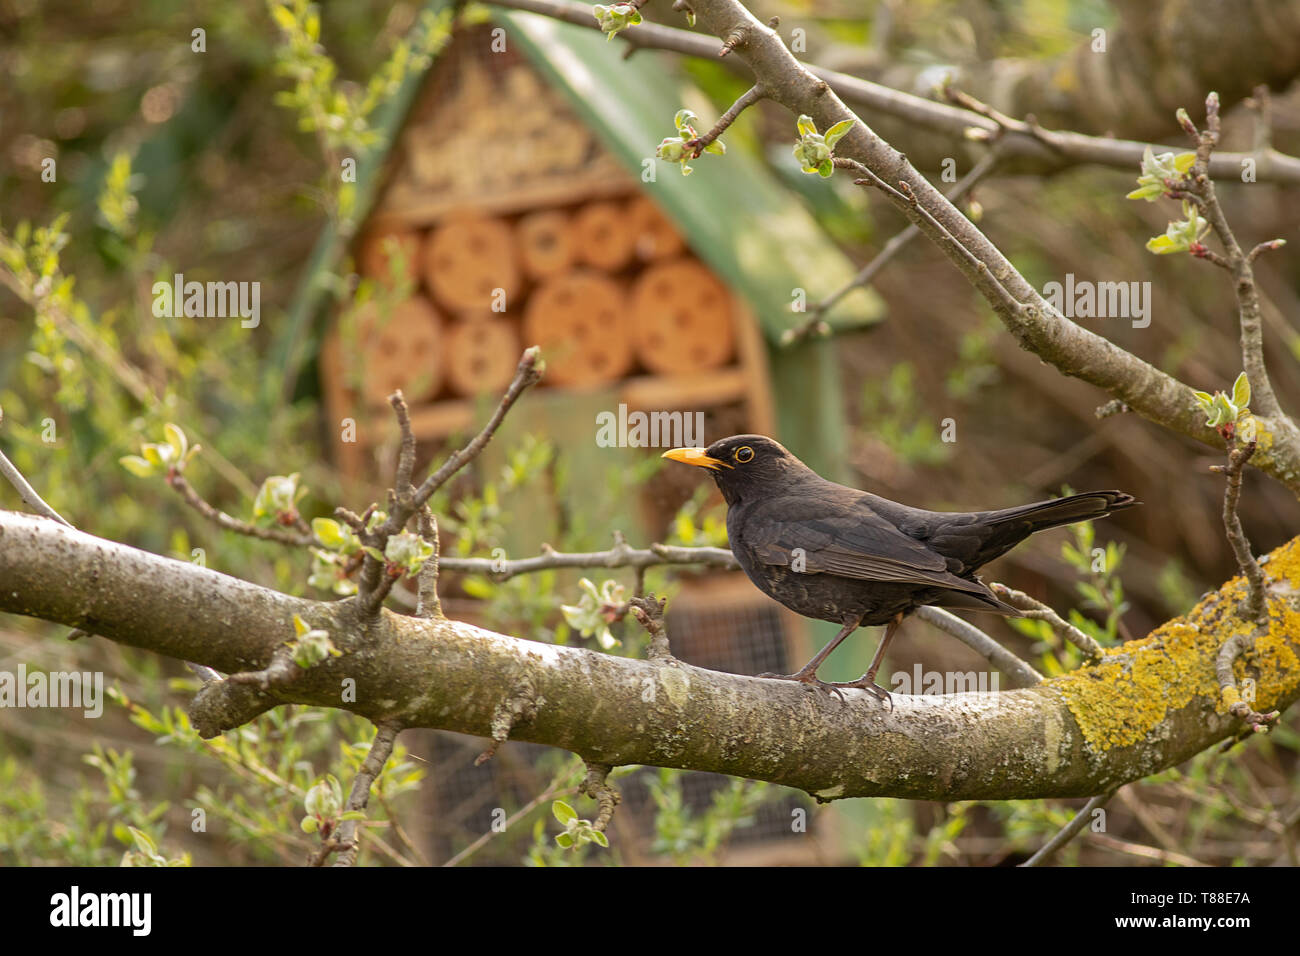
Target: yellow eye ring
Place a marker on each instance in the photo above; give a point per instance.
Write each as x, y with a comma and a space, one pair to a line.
743, 454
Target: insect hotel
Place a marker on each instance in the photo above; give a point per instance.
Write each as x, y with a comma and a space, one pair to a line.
519, 203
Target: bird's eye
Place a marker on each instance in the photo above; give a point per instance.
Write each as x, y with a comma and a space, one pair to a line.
744, 453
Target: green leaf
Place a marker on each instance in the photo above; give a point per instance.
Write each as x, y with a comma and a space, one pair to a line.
1241, 391
717, 148
1149, 192
600, 838
563, 812
309, 825
806, 125
1163, 246
836, 132
328, 531
136, 466
564, 840
1184, 162
176, 438
825, 169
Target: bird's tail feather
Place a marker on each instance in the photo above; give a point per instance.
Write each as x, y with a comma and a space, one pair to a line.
1052, 514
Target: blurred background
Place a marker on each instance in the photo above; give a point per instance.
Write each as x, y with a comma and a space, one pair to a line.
498, 197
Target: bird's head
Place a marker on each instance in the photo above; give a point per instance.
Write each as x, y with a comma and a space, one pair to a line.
743, 463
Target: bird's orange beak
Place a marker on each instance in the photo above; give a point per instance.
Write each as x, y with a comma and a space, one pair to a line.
695, 456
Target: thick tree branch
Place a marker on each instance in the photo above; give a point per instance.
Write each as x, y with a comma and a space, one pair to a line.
1149, 704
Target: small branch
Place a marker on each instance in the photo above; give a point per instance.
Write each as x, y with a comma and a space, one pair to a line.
649, 613
1039, 611
27, 492
376, 580
519, 706
597, 786
224, 521
1238, 455
814, 324
203, 672
906, 200
281, 672
429, 605
1233, 648
620, 556
1020, 672
1069, 831
381, 748
529, 372
1237, 262
553, 789
1004, 124
1264, 247
746, 100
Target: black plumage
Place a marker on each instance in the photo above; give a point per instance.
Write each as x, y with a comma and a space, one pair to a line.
843, 555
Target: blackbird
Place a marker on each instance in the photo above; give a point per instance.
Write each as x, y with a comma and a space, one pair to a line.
842, 555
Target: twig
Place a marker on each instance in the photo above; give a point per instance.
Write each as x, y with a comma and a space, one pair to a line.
746, 100
1070, 830
1200, 184
597, 786
1238, 455
649, 613
222, 520
620, 556
381, 748
906, 200
1020, 672
895, 245
1039, 611
27, 492
519, 706
553, 789
1229, 692
376, 580
429, 605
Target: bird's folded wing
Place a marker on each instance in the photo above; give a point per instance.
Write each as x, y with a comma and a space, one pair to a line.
850, 541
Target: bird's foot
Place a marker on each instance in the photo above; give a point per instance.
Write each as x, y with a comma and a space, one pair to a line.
810, 679
867, 682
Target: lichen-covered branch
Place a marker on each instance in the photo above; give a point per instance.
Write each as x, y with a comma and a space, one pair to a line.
1147, 705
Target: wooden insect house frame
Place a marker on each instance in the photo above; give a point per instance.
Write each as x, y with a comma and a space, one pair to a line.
646, 290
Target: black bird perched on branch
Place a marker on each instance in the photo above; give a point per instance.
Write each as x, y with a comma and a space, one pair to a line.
842, 555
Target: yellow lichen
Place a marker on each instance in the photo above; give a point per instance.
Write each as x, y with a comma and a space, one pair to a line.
1120, 700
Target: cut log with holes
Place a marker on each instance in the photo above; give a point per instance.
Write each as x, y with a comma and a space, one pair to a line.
603, 235
545, 241
374, 261
656, 238
580, 322
471, 263
482, 353
681, 318
402, 349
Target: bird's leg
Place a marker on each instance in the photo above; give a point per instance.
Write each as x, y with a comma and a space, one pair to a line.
867, 681
808, 673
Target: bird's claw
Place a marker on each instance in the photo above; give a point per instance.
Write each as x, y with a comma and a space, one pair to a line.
870, 686
809, 680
